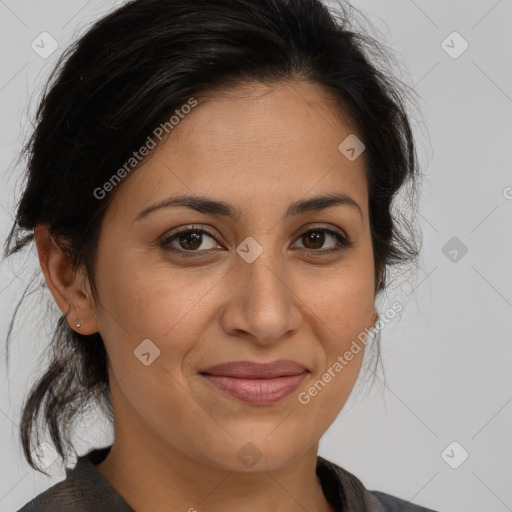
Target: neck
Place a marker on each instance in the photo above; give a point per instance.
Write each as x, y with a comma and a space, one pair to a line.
151, 474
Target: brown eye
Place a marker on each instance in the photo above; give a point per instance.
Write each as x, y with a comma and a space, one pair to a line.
190, 241
314, 239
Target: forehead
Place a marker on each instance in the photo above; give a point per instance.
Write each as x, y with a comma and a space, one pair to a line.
268, 120
254, 142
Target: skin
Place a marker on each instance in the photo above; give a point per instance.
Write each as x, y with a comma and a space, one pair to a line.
258, 148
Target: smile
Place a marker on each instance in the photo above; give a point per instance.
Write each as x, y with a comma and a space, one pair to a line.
262, 391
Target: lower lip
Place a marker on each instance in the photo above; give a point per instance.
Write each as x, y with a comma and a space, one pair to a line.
257, 391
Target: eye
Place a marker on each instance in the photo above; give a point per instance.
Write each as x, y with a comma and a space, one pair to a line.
315, 237
188, 241
192, 240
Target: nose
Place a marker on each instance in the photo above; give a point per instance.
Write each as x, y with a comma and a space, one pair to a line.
263, 307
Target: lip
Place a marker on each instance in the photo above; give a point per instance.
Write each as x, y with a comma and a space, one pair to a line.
256, 383
253, 370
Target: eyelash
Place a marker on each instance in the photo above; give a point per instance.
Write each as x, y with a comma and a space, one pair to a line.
344, 242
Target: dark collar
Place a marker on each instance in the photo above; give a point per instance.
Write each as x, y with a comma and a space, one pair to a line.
87, 479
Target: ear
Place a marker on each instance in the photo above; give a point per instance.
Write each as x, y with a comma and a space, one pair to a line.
70, 289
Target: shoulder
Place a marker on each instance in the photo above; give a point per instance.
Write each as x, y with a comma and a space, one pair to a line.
83, 490
346, 492
393, 504
57, 498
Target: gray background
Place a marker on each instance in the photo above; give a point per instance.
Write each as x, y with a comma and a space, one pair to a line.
448, 358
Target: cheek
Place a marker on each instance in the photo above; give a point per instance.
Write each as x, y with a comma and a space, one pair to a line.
342, 310
156, 305
342, 301
142, 301
161, 306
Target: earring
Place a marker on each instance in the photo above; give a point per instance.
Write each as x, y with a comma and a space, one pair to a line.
78, 324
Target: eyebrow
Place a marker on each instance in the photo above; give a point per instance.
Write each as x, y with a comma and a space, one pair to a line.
210, 206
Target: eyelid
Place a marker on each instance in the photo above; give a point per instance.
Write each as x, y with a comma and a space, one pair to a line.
312, 227
189, 227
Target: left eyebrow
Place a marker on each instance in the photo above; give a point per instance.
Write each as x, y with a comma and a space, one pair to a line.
209, 206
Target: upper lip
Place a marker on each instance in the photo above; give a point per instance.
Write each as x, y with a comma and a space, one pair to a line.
252, 370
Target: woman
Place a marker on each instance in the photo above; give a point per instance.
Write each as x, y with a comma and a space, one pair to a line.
209, 189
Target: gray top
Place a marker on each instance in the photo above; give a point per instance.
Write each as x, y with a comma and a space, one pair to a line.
86, 490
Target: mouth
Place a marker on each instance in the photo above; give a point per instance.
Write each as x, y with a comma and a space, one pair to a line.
256, 383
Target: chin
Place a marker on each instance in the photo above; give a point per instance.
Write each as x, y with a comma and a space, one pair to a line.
256, 453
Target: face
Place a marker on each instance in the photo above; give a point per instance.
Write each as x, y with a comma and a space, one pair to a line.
204, 288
